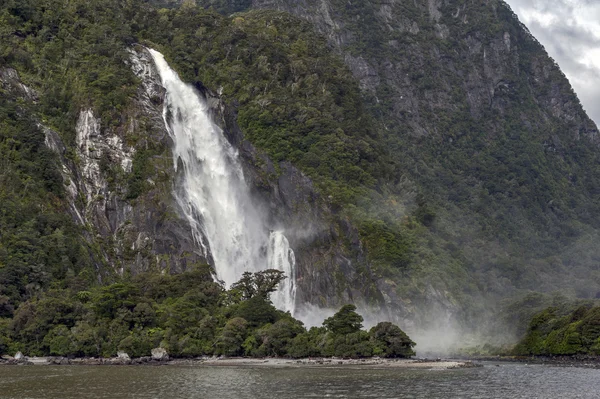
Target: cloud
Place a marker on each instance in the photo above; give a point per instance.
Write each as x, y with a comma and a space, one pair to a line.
570, 32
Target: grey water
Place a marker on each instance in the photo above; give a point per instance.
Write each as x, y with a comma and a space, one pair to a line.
490, 381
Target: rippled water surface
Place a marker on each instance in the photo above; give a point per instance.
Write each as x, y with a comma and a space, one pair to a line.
505, 381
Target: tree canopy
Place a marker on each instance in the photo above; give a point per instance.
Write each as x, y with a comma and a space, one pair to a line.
345, 321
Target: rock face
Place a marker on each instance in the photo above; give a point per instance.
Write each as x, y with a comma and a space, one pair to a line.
450, 48
463, 91
9, 80
136, 231
124, 231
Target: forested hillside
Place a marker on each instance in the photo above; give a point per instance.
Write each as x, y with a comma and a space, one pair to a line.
486, 129
430, 155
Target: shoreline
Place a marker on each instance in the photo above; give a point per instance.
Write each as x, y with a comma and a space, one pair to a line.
375, 362
455, 362
586, 361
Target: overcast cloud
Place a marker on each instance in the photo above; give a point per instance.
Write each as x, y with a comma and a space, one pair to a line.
570, 32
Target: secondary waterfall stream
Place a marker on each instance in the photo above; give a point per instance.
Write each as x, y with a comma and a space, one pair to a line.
214, 196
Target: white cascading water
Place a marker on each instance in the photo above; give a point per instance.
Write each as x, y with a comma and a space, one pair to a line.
214, 196
281, 257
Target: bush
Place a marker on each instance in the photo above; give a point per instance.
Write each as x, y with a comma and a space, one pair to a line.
345, 321
390, 341
275, 339
232, 337
562, 331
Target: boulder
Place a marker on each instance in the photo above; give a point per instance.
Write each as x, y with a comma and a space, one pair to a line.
123, 355
160, 354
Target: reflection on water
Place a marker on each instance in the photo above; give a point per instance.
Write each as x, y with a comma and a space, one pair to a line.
506, 381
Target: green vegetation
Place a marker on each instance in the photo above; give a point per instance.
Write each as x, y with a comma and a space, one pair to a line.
73, 53
458, 197
39, 243
491, 192
296, 100
189, 315
572, 330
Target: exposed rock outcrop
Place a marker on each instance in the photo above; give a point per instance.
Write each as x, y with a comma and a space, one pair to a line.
134, 233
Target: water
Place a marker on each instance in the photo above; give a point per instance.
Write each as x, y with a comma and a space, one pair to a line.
214, 196
507, 381
281, 257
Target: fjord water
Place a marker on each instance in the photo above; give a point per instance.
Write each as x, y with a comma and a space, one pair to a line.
224, 382
213, 195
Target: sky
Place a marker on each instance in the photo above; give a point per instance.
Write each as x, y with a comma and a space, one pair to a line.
570, 32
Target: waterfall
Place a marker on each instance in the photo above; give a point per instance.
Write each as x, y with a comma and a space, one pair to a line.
214, 196
281, 257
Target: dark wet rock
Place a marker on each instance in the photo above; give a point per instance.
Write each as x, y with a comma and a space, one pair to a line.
59, 361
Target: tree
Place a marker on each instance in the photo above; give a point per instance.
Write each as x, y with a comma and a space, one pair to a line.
59, 341
259, 284
275, 339
345, 321
391, 340
307, 344
257, 311
354, 345
232, 337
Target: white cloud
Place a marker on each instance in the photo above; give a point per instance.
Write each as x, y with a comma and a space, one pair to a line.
570, 32
545, 19
592, 59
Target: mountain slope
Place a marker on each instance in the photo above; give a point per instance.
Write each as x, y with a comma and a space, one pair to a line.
481, 120
428, 158
114, 154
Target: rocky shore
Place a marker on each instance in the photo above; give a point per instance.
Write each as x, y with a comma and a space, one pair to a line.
123, 359
161, 357
333, 362
586, 361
